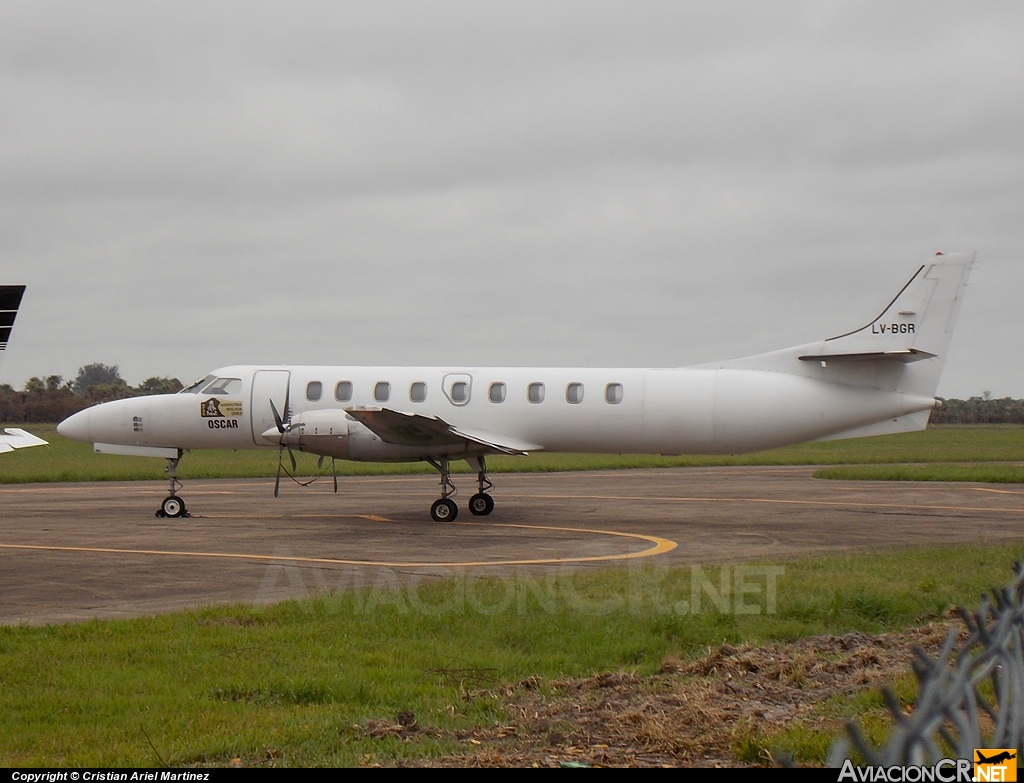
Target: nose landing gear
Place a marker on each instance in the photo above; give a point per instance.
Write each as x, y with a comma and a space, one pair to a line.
173, 506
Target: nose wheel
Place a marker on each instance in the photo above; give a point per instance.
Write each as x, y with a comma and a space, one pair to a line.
173, 506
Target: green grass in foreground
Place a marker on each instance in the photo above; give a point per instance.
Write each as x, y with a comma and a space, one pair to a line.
65, 460
291, 684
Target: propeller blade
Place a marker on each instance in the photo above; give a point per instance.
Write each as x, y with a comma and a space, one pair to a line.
277, 416
292, 458
287, 405
335, 473
277, 481
320, 462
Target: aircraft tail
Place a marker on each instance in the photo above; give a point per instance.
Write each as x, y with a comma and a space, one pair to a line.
913, 331
10, 301
902, 349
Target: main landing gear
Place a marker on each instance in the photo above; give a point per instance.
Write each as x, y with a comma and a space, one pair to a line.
173, 506
444, 510
480, 505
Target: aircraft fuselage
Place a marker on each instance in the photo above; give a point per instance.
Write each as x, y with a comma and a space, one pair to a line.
588, 410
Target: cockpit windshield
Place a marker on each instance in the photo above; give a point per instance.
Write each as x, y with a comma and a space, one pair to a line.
224, 386
197, 386
211, 384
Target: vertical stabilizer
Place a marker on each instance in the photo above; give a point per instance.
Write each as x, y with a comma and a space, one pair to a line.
10, 301
915, 328
901, 349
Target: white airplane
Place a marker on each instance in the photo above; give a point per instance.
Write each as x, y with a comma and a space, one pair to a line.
10, 300
880, 378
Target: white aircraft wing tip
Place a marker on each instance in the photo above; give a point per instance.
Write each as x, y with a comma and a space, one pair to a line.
15, 438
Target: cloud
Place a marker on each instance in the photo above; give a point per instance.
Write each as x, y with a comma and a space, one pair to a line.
185, 185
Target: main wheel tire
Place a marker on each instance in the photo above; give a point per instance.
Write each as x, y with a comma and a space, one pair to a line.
173, 507
444, 510
481, 504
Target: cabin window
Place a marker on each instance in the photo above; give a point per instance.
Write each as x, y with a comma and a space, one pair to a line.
382, 391
313, 390
460, 392
224, 386
418, 391
535, 392
574, 393
343, 391
613, 393
496, 392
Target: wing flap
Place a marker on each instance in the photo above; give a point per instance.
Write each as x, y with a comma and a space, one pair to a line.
502, 443
413, 429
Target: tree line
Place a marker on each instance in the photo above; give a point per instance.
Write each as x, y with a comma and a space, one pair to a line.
979, 410
52, 399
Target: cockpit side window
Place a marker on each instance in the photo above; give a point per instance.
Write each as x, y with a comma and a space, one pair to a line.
197, 386
224, 386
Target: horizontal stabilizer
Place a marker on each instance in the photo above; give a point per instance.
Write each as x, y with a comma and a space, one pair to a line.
413, 429
13, 438
906, 356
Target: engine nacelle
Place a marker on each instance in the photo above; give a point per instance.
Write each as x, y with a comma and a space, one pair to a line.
333, 433
320, 432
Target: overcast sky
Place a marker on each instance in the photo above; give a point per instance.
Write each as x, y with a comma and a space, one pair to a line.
189, 185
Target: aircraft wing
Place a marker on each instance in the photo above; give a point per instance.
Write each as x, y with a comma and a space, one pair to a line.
13, 438
413, 429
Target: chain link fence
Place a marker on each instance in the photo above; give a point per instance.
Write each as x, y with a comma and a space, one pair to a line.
952, 715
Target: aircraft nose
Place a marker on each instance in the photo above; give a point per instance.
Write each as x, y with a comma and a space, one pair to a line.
76, 427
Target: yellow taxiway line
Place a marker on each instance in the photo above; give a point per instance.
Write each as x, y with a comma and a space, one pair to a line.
660, 546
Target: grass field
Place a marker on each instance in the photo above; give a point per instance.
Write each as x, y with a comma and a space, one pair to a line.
970, 447
298, 683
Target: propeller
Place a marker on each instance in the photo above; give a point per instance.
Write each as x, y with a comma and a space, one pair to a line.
284, 426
